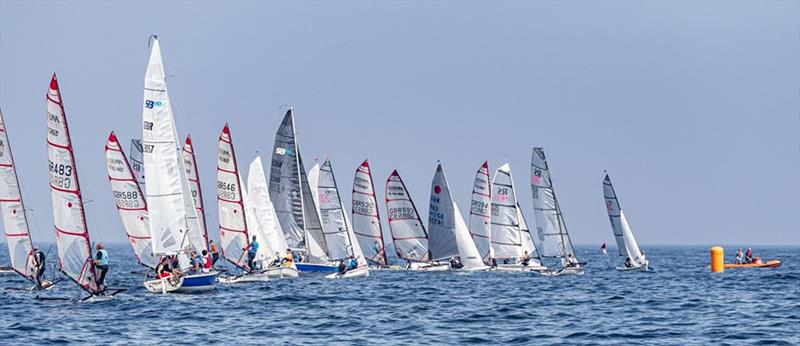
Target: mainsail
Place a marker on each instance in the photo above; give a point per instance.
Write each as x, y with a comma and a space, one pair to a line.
366, 219
291, 195
137, 162
233, 230
527, 239
551, 232
626, 244
470, 257
15, 220
265, 221
190, 163
408, 232
506, 238
173, 218
337, 229
130, 202
441, 219
480, 219
72, 236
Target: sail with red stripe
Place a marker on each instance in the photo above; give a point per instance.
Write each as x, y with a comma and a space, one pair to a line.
130, 201
15, 221
233, 230
366, 218
408, 232
190, 163
72, 236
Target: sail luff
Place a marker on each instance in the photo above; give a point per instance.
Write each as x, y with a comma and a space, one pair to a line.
408, 233
69, 219
365, 212
233, 228
15, 218
130, 202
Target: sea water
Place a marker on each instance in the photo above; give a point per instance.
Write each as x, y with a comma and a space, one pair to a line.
679, 303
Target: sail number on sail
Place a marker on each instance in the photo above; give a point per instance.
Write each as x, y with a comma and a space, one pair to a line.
61, 177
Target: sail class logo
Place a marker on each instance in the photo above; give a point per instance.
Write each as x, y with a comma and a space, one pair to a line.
149, 104
283, 151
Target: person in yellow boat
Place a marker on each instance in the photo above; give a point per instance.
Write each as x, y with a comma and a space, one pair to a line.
749, 255
739, 256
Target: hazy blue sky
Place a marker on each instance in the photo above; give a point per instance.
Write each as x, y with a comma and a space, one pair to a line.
692, 107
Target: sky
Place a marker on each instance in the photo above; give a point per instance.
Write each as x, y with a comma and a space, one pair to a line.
692, 107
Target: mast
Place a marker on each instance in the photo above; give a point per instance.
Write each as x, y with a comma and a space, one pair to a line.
130, 202
193, 175
72, 235
365, 211
15, 219
233, 228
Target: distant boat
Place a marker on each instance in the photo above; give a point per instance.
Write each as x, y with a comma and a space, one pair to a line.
408, 232
190, 164
480, 217
294, 202
366, 217
72, 235
174, 225
634, 257
510, 237
15, 220
551, 231
130, 202
336, 226
447, 225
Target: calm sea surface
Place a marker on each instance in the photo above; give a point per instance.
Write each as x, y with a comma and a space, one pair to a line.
681, 303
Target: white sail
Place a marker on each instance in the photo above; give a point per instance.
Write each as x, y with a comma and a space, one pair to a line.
233, 230
626, 244
366, 218
72, 236
313, 184
551, 233
332, 214
137, 163
470, 257
130, 202
441, 219
265, 221
527, 239
291, 195
480, 219
408, 232
190, 163
15, 220
506, 237
173, 219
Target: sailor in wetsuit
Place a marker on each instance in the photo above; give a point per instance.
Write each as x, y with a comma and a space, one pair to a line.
38, 266
251, 249
100, 266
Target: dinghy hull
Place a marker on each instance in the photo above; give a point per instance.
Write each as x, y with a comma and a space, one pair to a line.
183, 284
429, 267
312, 267
519, 268
350, 274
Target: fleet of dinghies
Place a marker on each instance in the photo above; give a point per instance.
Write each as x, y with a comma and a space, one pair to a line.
297, 217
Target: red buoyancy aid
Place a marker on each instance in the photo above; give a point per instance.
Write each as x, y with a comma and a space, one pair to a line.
207, 262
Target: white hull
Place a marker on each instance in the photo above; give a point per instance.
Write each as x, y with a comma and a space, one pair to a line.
473, 269
252, 277
519, 268
183, 284
634, 269
428, 267
350, 274
565, 271
282, 272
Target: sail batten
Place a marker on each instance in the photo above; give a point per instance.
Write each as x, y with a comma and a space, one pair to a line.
69, 219
15, 219
130, 202
405, 225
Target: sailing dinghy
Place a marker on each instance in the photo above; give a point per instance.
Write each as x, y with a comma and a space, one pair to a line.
294, 202
174, 225
446, 225
190, 163
15, 220
480, 217
366, 218
635, 259
69, 219
510, 239
130, 202
551, 231
336, 227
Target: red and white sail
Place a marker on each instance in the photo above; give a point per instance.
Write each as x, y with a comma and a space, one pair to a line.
72, 236
408, 232
233, 230
190, 163
130, 202
15, 221
366, 218
480, 217
174, 225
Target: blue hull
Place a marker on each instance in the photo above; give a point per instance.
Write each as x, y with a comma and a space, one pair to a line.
322, 268
198, 282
